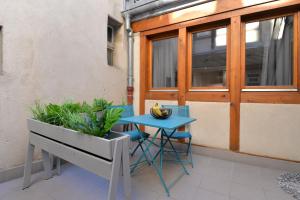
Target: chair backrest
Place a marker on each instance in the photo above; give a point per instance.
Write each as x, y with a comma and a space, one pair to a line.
128, 110
182, 111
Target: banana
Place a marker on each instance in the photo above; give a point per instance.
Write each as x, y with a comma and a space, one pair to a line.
156, 110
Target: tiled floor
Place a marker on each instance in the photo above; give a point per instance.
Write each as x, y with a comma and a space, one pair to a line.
210, 179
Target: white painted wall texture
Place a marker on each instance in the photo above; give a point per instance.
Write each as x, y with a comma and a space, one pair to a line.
271, 130
212, 126
54, 50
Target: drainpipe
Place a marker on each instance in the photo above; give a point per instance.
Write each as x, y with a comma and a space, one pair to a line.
129, 60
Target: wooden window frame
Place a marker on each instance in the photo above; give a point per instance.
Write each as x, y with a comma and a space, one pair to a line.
289, 88
151, 39
215, 26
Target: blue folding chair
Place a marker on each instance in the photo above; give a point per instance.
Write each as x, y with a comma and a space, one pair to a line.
182, 111
128, 129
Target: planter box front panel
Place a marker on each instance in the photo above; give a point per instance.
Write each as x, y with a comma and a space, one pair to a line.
95, 145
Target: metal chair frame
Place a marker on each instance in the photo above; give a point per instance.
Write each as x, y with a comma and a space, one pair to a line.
128, 112
184, 112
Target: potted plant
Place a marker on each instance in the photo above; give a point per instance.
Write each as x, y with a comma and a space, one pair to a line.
80, 133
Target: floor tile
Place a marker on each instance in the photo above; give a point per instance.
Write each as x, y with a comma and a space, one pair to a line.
277, 194
246, 192
247, 175
215, 185
208, 195
211, 179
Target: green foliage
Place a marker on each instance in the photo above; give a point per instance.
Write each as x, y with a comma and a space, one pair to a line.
72, 107
96, 119
39, 112
100, 105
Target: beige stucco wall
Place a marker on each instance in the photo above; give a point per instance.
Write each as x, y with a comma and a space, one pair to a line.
212, 125
271, 130
54, 50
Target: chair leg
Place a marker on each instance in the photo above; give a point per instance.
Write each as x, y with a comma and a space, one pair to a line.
189, 151
135, 149
188, 147
161, 151
141, 144
177, 156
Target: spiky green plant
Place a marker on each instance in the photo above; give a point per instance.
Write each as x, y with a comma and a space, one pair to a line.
110, 118
80, 117
39, 112
100, 105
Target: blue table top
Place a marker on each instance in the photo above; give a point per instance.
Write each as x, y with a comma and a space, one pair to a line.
172, 122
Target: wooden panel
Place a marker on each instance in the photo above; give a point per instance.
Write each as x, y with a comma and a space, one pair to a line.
161, 95
182, 60
296, 50
201, 17
208, 96
74, 156
95, 145
143, 67
235, 81
271, 97
194, 12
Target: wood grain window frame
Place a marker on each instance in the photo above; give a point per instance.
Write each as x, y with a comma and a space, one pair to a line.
162, 93
294, 86
209, 93
272, 94
215, 26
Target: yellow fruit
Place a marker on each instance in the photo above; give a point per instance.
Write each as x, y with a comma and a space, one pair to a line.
156, 110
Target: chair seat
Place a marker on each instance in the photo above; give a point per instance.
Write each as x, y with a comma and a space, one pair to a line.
136, 135
179, 134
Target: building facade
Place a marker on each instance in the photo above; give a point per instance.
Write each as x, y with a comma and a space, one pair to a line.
235, 63
55, 51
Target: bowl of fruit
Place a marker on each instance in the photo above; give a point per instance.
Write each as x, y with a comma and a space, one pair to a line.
160, 113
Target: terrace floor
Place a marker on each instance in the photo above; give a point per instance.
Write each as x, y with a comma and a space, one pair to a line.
210, 179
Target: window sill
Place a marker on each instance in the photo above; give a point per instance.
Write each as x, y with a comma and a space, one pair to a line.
164, 90
270, 90
209, 90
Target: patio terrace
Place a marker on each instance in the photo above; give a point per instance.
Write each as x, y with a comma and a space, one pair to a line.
210, 179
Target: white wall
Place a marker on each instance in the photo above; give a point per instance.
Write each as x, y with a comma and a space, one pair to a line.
212, 126
54, 50
271, 130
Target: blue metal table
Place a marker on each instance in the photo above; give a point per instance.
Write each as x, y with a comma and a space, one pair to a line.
172, 123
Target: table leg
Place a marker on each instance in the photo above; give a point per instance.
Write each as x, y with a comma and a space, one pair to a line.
161, 150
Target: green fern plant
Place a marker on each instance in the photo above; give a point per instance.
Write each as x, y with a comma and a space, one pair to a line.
80, 117
100, 105
111, 117
39, 112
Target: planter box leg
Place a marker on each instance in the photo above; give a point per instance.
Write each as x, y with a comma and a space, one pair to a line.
126, 169
58, 166
47, 164
28, 166
115, 172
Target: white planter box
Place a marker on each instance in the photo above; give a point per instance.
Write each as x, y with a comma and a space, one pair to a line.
104, 157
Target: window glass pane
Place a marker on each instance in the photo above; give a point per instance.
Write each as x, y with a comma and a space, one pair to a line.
209, 58
164, 63
110, 56
269, 52
109, 34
